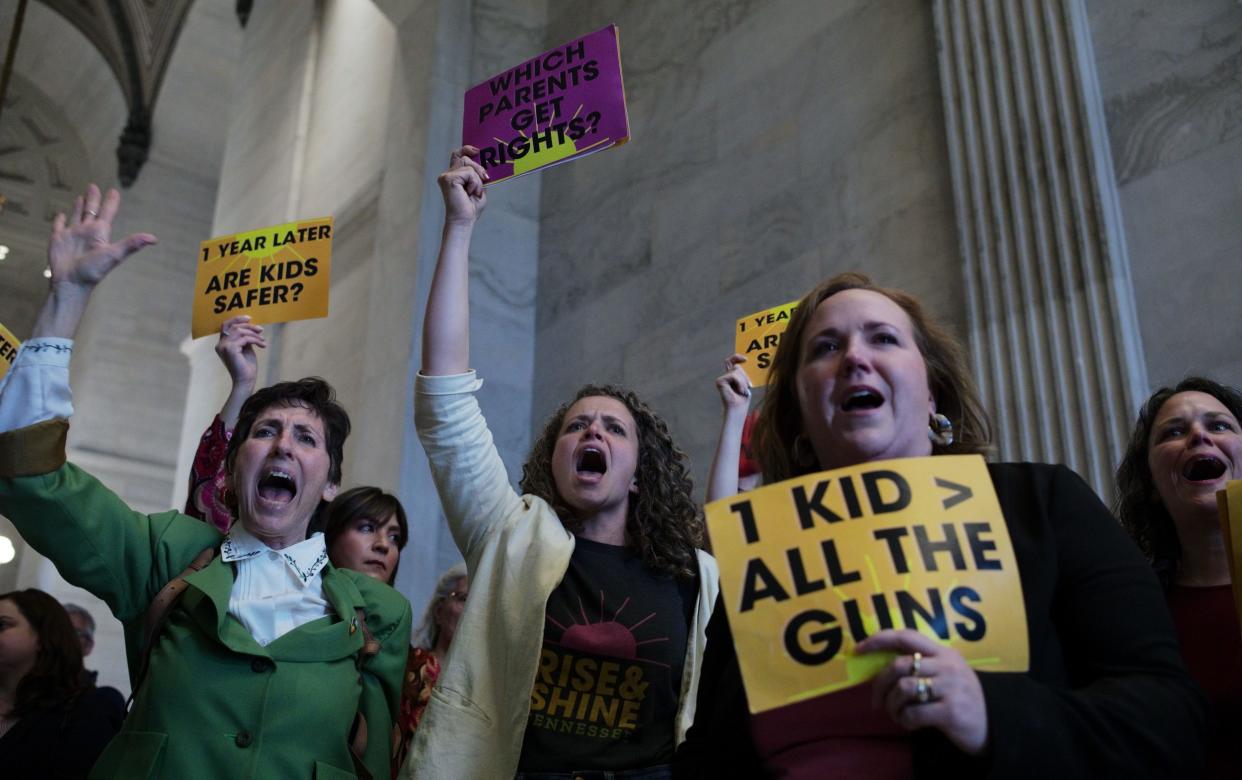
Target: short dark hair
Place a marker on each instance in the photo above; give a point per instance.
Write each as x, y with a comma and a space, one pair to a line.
310, 393
56, 676
1138, 507
365, 501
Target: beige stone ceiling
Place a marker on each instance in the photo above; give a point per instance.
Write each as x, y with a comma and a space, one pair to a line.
136, 39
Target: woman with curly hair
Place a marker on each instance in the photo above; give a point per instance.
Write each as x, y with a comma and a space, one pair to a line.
1187, 443
52, 722
591, 585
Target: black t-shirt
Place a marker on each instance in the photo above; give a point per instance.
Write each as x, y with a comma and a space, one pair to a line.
614, 643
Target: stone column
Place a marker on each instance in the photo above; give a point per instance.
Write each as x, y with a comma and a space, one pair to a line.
1053, 332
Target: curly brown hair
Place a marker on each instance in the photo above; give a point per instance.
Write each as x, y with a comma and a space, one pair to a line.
1138, 505
778, 428
664, 524
56, 676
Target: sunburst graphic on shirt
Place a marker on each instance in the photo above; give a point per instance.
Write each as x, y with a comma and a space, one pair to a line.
606, 636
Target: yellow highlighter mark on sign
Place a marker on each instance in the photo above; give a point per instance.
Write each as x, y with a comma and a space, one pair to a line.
8, 350
276, 274
811, 566
757, 335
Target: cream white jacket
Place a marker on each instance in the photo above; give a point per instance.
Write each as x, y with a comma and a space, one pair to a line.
517, 551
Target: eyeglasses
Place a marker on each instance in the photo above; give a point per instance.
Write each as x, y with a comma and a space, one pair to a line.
458, 595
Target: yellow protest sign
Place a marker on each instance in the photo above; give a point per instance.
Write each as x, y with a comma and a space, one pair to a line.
757, 337
8, 350
276, 274
1229, 502
811, 566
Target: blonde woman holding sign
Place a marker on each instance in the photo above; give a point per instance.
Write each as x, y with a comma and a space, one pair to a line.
863, 374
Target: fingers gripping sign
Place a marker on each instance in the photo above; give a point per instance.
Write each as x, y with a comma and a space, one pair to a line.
236, 348
462, 187
733, 384
929, 685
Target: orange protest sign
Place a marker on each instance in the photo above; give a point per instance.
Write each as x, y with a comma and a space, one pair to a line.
1229, 502
277, 274
8, 350
811, 566
757, 336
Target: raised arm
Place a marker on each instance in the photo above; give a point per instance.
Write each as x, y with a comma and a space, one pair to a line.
734, 389
80, 255
446, 322
469, 475
236, 349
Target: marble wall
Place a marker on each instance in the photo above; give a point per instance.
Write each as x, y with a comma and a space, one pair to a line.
1171, 76
773, 144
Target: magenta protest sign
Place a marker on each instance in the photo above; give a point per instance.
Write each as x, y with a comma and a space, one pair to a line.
563, 104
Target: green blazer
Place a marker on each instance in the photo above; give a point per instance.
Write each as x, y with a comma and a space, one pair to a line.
214, 703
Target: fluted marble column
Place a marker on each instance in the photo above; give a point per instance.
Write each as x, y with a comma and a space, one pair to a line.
1053, 332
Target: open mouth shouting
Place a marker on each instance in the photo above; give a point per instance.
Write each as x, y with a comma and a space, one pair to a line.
590, 463
276, 488
1203, 469
860, 399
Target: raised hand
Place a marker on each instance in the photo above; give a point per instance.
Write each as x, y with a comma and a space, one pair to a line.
81, 252
236, 349
733, 385
462, 187
734, 389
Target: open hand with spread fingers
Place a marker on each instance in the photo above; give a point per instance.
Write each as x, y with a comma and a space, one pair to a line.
929, 685
81, 251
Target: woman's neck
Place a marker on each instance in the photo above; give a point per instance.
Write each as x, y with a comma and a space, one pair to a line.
607, 527
440, 651
1204, 560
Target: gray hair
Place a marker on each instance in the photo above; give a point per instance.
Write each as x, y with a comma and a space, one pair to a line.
74, 609
427, 633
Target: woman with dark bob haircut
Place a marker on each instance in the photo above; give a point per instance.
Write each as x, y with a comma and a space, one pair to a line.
590, 583
1186, 445
52, 724
863, 374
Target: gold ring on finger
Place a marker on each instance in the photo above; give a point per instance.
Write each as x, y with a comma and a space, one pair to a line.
923, 690
916, 664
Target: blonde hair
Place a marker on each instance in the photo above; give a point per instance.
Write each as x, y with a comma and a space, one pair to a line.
428, 631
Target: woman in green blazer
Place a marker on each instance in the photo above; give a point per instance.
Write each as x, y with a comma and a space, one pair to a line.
260, 669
